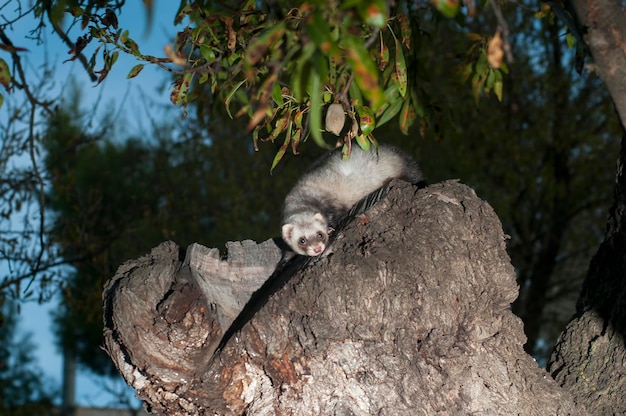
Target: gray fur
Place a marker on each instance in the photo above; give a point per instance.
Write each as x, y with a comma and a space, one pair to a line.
332, 186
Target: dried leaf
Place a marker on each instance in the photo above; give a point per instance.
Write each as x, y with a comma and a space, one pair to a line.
256, 118
383, 56
405, 30
232, 35
181, 87
283, 148
407, 116
335, 119
495, 51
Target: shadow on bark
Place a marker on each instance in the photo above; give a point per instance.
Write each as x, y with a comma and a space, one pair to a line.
590, 356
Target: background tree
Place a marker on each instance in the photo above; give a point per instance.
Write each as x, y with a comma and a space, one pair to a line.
111, 199
24, 390
593, 342
530, 156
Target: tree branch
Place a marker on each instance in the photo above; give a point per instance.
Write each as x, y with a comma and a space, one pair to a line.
604, 31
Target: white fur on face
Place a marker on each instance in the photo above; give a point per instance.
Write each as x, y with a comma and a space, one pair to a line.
305, 235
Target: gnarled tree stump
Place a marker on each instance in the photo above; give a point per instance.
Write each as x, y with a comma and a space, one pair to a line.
409, 315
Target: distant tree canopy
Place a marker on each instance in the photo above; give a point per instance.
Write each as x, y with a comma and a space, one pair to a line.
111, 199
531, 157
294, 68
24, 390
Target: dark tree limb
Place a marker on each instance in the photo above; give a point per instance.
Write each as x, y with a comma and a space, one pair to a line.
589, 357
410, 315
603, 25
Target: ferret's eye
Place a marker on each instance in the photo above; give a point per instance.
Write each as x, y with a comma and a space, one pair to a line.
320, 235
302, 241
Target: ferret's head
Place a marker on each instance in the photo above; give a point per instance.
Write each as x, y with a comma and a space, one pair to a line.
307, 234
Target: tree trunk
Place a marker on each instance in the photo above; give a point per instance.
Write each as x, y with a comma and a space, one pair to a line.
589, 358
409, 315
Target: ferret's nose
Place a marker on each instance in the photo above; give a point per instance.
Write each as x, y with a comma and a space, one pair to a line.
318, 249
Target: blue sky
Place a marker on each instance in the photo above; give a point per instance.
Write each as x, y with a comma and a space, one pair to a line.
137, 100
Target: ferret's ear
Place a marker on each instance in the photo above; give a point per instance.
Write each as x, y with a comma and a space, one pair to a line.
287, 230
319, 218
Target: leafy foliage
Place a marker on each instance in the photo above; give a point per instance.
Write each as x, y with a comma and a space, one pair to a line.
283, 64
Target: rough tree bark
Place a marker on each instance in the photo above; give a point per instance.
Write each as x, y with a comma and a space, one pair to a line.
410, 315
589, 359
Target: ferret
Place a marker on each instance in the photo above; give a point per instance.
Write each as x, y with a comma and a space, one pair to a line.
331, 186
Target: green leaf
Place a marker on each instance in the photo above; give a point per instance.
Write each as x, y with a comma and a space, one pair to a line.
135, 71
283, 148
363, 142
391, 95
316, 109
132, 46
300, 77
207, 52
448, 8
390, 112
498, 85
400, 78
319, 31
230, 96
5, 74
478, 83
482, 65
373, 12
110, 59
367, 121
405, 29
571, 40
355, 94
491, 78
277, 94
364, 70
